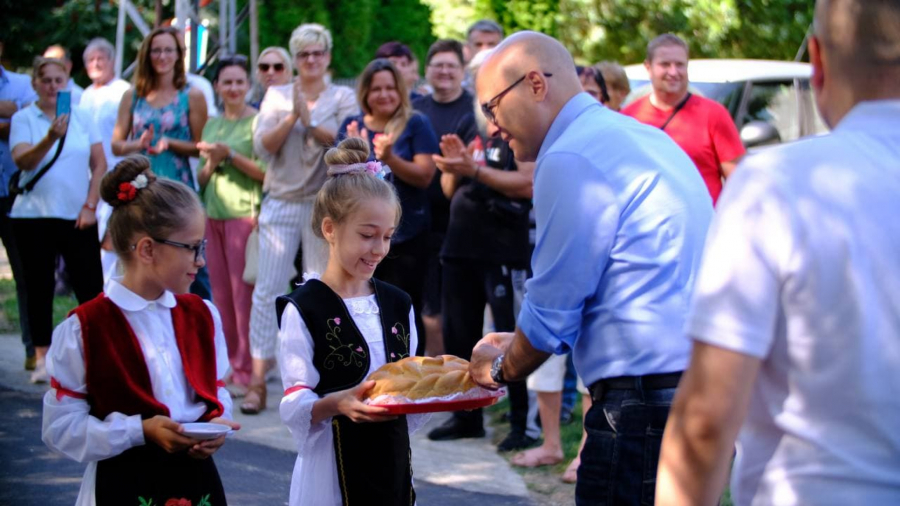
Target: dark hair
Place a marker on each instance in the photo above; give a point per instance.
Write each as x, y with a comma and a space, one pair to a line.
666, 39
341, 194
394, 49
158, 209
484, 25
236, 60
145, 76
397, 123
592, 73
445, 46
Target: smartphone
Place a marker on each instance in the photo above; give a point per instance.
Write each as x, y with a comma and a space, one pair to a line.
63, 102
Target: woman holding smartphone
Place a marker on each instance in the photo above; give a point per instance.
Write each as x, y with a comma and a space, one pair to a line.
57, 216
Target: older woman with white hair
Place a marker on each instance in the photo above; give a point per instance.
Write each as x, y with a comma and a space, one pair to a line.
101, 100
273, 68
297, 124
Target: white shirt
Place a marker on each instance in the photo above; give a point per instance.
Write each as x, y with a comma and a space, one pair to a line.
802, 270
77, 91
68, 426
202, 84
63, 189
103, 105
315, 481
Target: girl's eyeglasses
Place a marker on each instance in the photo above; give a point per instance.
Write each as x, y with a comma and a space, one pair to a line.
198, 249
277, 67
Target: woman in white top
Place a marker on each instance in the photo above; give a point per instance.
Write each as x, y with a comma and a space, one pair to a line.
58, 216
297, 124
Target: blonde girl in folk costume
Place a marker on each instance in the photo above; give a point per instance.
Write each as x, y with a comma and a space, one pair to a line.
129, 367
337, 329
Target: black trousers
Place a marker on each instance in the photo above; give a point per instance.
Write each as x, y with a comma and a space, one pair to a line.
15, 262
467, 286
405, 267
39, 241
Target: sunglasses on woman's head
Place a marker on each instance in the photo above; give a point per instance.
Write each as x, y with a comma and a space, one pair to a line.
277, 67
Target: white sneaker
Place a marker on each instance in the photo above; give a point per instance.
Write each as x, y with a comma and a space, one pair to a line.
40, 373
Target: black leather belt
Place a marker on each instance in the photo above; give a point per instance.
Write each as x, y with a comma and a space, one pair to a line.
646, 382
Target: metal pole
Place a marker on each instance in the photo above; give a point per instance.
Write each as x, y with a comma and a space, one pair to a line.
232, 25
195, 34
120, 37
254, 34
224, 25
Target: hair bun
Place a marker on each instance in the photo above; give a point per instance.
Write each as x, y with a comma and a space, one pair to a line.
125, 172
350, 150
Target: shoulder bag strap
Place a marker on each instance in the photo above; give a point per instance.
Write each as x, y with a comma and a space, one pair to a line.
30, 184
678, 107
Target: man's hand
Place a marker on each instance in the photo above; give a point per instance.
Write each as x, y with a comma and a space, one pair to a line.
486, 351
205, 449
8, 108
86, 218
456, 159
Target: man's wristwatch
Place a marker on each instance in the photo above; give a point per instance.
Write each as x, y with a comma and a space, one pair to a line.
497, 371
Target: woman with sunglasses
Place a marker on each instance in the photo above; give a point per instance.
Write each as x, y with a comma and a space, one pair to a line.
230, 180
273, 68
404, 140
297, 124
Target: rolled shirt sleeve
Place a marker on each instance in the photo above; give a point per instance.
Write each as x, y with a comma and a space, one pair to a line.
571, 250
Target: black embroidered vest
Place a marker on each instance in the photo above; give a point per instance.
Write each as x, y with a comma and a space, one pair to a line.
373, 459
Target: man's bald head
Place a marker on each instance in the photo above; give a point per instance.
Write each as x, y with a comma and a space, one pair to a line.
524, 83
855, 54
525, 51
861, 36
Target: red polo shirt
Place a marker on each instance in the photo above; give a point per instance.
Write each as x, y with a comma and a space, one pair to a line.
704, 130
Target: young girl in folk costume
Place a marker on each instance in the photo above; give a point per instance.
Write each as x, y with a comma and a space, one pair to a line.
130, 366
336, 330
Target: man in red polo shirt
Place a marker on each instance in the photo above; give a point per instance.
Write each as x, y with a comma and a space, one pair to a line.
702, 127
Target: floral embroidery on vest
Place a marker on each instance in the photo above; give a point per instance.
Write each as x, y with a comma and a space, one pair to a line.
345, 354
399, 331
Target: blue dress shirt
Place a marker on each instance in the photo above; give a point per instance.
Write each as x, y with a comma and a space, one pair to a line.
14, 88
621, 215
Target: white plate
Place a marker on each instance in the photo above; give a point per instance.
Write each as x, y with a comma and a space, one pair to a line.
205, 430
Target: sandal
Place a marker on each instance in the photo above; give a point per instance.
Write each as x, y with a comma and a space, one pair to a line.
254, 399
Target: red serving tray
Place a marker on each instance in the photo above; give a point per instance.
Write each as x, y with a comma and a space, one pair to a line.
434, 407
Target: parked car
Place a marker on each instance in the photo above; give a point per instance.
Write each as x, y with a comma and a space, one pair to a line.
770, 101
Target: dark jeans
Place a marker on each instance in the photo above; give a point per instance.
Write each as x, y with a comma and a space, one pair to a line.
202, 287
570, 386
40, 241
620, 457
404, 267
468, 286
15, 263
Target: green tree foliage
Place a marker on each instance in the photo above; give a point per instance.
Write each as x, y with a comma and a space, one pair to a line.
514, 15
358, 27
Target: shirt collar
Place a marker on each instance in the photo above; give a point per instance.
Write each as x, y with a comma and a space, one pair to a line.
573, 108
130, 301
867, 114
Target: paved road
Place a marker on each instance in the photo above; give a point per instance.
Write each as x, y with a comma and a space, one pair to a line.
253, 474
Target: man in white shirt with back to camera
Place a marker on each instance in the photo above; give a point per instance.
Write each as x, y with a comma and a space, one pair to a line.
796, 312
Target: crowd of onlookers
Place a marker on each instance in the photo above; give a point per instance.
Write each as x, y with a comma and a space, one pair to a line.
613, 274
255, 153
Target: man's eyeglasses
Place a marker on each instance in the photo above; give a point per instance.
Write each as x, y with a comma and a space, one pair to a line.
315, 54
199, 249
444, 66
277, 67
491, 105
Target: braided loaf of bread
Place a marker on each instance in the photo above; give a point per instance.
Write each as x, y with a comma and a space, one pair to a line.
422, 377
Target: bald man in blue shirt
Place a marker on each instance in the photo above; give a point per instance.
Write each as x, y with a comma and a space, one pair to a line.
621, 216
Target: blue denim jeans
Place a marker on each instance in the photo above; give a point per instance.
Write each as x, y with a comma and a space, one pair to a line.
620, 457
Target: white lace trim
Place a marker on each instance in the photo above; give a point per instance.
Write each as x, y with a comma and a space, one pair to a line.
362, 305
